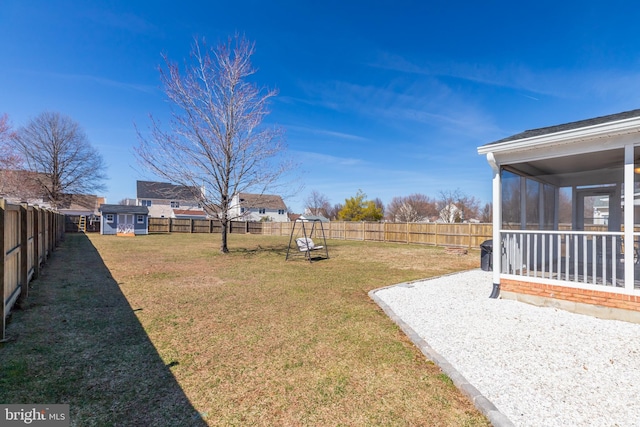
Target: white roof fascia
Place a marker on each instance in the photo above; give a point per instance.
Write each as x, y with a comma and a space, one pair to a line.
603, 130
566, 148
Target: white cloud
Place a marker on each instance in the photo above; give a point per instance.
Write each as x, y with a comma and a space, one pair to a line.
326, 159
105, 82
331, 133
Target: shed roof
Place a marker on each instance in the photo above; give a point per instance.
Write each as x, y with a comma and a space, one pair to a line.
124, 209
569, 126
267, 201
165, 190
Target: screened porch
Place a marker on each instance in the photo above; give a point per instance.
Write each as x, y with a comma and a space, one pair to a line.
563, 219
561, 211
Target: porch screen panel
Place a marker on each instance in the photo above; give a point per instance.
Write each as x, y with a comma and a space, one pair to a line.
532, 204
549, 208
510, 200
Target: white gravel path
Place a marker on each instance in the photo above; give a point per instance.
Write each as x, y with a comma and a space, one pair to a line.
539, 366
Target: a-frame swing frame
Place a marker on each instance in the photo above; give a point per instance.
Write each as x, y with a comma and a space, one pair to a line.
307, 232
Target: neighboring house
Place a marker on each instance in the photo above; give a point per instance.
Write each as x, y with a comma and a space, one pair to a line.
450, 214
124, 220
23, 186
258, 207
189, 214
538, 172
166, 200
81, 210
80, 204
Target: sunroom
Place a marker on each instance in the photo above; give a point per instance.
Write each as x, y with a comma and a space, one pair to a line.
564, 231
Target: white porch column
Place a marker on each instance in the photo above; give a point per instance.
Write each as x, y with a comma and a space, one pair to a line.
497, 218
628, 217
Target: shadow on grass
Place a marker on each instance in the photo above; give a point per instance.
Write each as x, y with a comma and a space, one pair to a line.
76, 340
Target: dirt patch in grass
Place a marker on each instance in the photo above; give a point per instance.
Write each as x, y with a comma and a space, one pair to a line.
249, 339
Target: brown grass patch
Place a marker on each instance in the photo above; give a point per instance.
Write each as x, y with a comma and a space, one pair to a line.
254, 340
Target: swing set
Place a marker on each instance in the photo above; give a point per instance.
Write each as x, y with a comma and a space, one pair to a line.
304, 229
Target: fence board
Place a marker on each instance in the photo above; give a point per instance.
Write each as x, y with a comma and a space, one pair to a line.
27, 235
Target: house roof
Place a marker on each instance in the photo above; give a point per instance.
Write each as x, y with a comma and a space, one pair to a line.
79, 202
585, 152
267, 201
123, 209
22, 184
165, 190
569, 126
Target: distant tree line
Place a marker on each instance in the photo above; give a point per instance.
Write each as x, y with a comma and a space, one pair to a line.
450, 206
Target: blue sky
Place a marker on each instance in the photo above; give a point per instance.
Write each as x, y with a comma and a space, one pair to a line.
390, 97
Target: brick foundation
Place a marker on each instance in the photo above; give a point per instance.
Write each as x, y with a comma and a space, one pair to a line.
581, 296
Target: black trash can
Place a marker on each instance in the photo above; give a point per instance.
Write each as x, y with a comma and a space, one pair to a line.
486, 255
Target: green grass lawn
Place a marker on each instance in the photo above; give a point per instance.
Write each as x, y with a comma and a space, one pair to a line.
165, 330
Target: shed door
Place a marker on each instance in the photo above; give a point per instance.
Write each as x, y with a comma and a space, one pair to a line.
125, 223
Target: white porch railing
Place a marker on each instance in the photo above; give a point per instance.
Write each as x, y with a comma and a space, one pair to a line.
580, 257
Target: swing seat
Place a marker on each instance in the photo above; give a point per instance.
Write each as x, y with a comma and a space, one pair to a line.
305, 244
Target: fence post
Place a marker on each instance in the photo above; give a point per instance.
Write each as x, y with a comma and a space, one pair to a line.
3, 312
49, 219
36, 242
469, 235
210, 226
24, 258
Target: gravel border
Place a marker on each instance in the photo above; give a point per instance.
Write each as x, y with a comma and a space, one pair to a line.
520, 364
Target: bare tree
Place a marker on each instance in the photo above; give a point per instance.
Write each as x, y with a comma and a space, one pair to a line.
455, 206
216, 142
12, 182
470, 206
487, 213
379, 205
413, 208
334, 211
318, 204
9, 157
58, 153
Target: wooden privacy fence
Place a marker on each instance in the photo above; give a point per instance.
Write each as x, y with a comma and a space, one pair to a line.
179, 225
435, 234
28, 234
